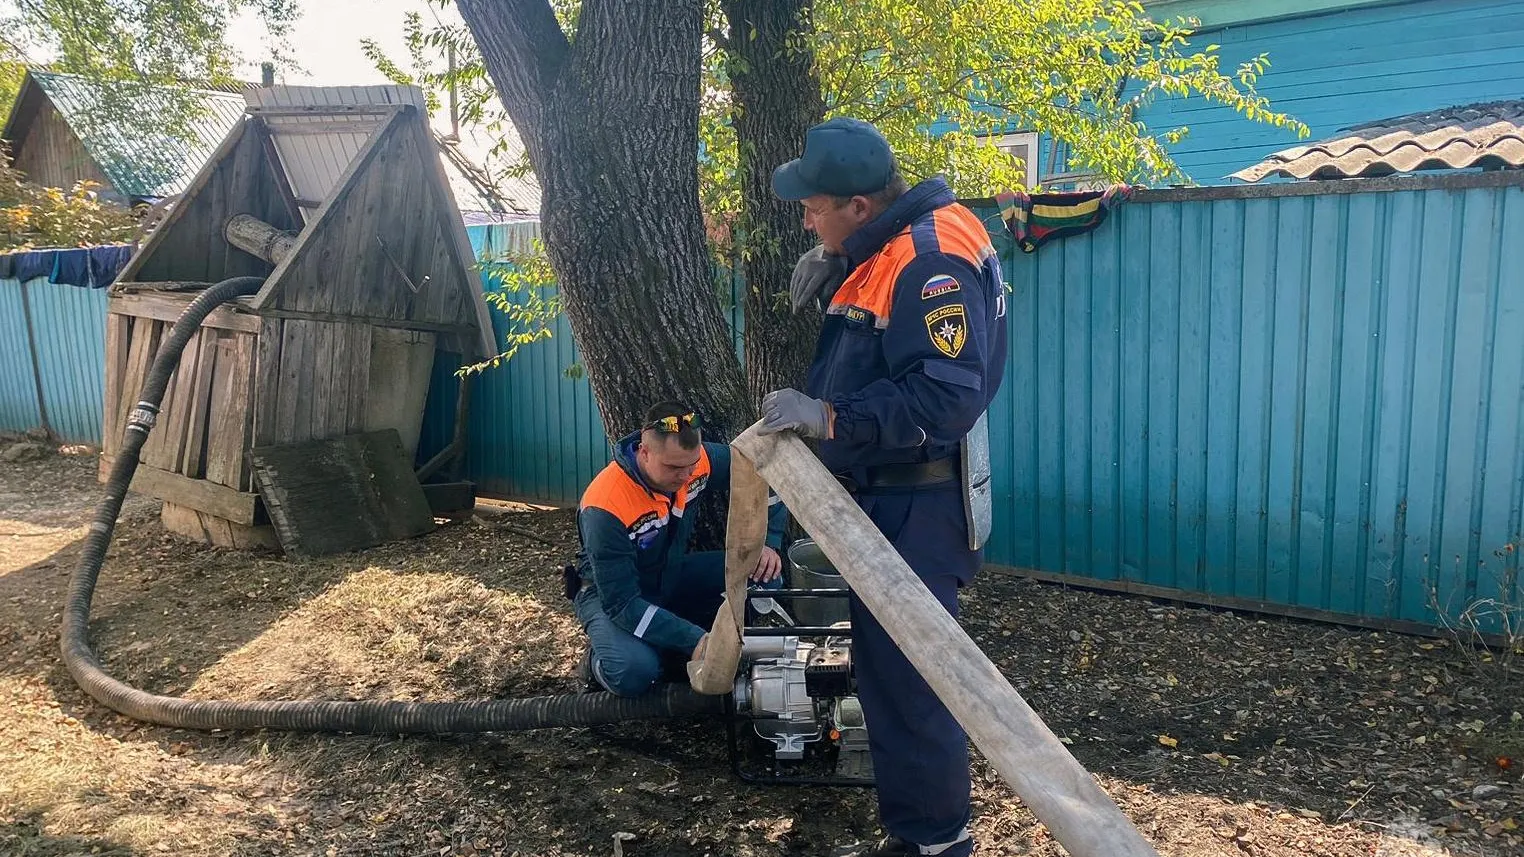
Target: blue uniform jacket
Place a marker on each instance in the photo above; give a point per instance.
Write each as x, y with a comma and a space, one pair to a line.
634, 540
913, 346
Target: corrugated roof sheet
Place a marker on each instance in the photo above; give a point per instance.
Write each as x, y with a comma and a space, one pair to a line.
317, 147
480, 182
114, 122
1471, 135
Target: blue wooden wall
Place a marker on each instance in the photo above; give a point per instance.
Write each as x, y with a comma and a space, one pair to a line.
1348, 67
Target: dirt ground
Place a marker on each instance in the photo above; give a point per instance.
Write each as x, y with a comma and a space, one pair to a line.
1217, 733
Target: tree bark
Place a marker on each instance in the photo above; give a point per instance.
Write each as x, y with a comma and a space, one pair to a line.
777, 99
610, 121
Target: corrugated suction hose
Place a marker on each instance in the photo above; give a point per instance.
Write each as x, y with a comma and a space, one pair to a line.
495, 715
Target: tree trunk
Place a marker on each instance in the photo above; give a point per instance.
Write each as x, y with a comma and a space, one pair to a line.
610, 121
777, 99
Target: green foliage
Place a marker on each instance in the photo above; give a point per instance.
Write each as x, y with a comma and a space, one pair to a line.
1079, 71
153, 41
33, 216
524, 291
415, 39
12, 70
136, 43
939, 77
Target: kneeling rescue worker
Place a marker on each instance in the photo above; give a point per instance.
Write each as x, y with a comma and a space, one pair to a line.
644, 601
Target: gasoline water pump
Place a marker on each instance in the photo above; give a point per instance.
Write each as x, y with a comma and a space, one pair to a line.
794, 716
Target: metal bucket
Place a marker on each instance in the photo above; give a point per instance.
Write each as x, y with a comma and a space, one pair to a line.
809, 569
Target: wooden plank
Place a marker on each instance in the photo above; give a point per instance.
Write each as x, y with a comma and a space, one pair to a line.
242, 507
336, 411
364, 290
160, 286
323, 220
219, 532
342, 494
168, 306
382, 285
153, 451
321, 369
266, 381
228, 409
359, 361
293, 410
449, 221
1018, 745
420, 235
193, 450
407, 324
245, 358
118, 342
175, 422
161, 234
143, 343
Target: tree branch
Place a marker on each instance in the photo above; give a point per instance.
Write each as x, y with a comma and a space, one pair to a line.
523, 49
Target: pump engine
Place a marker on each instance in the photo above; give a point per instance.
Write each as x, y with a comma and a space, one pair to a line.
796, 716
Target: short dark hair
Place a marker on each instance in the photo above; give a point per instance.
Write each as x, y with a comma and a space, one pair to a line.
687, 433
882, 199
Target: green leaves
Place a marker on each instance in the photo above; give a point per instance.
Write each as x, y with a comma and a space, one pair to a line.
942, 78
33, 216
134, 44
524, 292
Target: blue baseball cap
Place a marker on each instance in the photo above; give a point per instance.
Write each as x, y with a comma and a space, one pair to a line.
842, 157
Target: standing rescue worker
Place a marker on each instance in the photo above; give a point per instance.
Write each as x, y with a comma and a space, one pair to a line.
911, 352
644, 601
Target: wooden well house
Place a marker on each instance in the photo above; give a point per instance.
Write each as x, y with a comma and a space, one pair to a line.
337, 198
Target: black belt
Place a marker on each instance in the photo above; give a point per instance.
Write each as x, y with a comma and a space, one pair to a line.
909, 475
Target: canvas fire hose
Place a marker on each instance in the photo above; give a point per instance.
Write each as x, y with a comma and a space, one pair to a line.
1025, 752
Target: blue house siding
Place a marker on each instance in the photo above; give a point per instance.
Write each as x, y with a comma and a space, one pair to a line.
1343, 68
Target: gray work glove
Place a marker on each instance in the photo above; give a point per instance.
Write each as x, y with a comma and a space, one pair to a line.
787, 409
817, 274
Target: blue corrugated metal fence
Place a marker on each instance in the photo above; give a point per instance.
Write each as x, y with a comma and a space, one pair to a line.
69, 327
19, 408
1312, 401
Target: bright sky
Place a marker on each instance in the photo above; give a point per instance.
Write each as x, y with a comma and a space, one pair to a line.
326, 40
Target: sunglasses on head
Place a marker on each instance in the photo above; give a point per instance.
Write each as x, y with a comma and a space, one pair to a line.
673, 425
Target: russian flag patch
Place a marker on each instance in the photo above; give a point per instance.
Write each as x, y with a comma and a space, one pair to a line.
937, 286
